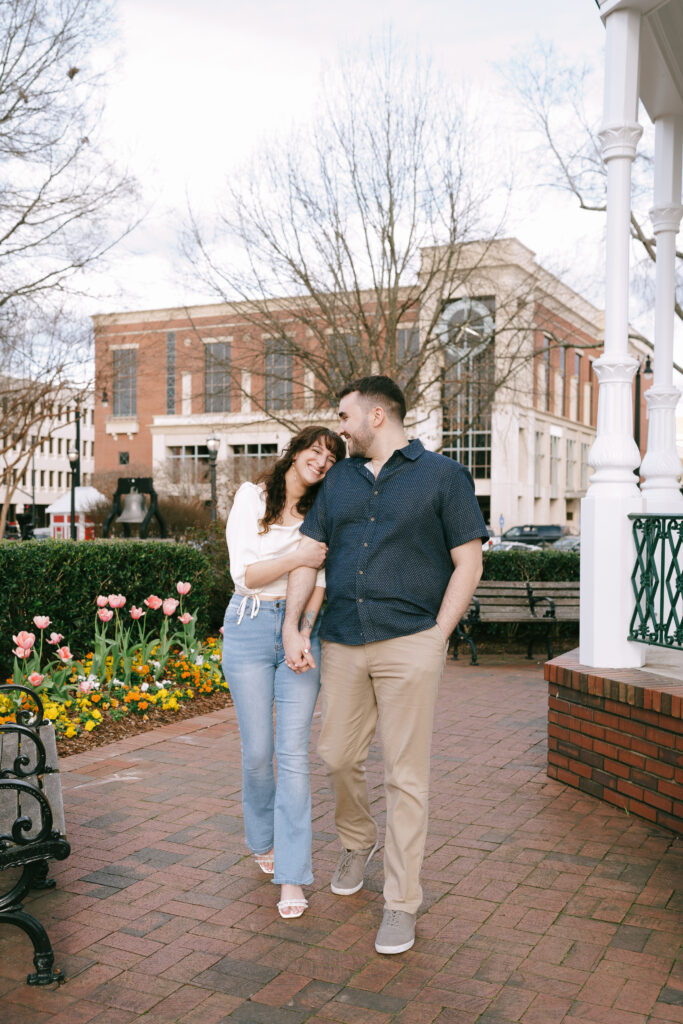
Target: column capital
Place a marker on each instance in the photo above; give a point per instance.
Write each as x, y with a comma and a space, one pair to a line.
613, 370
619, 140
659, 397
666, 218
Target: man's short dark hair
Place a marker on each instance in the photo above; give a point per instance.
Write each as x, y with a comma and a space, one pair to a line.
383, 390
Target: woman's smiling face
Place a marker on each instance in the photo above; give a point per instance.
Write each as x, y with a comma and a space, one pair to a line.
313, 463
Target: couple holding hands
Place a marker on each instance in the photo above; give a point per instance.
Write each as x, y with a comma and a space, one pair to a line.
392, 535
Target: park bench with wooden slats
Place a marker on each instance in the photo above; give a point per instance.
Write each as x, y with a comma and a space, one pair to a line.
32, 826
541, 603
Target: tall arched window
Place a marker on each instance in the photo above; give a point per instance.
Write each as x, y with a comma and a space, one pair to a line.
467, 334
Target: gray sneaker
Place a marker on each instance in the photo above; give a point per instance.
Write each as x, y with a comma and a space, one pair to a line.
396, 933
349, 874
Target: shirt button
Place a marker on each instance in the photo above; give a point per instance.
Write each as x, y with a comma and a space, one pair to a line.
360, 600
360, 572
372, 519
365, 544
376, 492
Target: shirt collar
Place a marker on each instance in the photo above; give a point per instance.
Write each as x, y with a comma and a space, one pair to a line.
413, 450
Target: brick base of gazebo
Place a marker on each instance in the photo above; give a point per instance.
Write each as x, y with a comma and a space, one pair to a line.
618, 735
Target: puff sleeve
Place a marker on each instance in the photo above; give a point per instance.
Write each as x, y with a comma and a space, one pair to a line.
242, 531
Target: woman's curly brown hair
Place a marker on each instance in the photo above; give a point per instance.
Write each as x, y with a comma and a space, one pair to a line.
274, 478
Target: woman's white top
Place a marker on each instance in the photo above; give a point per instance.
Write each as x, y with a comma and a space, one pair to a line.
246, 545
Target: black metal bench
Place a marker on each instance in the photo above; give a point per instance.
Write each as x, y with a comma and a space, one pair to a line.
543, 604
32, 823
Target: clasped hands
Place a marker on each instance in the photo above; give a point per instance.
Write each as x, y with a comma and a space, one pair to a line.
297, 646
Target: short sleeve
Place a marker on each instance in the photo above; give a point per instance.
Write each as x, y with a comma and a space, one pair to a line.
315, 523
242, 531
460, 514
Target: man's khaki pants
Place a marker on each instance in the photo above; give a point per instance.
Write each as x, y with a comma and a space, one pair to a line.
395, 681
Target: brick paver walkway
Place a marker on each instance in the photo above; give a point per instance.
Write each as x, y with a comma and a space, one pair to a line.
542, 905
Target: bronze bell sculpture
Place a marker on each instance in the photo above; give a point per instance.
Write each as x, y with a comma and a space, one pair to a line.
129, 507
134, 508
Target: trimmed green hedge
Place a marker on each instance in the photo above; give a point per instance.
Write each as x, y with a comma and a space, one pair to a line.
62, 579
534, 564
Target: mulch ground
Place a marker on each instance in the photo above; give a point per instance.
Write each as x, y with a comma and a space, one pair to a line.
108, 730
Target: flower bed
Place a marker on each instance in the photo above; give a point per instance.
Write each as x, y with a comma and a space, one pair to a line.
142, 667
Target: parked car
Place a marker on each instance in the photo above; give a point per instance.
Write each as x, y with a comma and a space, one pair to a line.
568, 543
12, 531
514, 545
533, 534
41, 533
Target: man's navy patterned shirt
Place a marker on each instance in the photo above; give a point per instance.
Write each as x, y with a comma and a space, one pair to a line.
389, 540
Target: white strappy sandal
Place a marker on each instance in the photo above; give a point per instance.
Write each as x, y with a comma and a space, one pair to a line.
301, 904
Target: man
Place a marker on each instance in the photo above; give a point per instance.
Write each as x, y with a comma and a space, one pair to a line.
404, 533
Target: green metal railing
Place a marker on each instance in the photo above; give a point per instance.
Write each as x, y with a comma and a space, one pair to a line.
657, 580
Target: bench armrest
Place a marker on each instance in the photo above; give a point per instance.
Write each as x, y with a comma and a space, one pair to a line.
533, 601
19, 821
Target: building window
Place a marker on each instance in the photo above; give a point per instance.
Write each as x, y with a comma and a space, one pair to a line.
584, 466
52, 478
42, 478
125, 382
538, 463
547, 383
571, 465
247, 461
467, 333
278, 384
124, 458
188, 464
554, 466
217, 376
563, 376
407, 354
170, 373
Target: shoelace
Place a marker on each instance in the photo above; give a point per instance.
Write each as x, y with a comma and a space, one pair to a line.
347, 860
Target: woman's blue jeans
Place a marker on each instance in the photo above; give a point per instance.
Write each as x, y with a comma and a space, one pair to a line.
277, 814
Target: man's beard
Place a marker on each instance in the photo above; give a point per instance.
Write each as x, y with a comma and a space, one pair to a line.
359, 444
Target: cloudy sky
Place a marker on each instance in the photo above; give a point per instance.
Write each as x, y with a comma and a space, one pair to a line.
199, 83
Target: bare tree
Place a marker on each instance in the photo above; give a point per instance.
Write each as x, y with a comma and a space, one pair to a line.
555, 97
366, 221
42, 355
63, 205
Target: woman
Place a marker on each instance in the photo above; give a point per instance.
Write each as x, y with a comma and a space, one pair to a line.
263, 541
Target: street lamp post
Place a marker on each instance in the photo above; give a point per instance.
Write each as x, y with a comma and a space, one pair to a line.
213, 444
74, 455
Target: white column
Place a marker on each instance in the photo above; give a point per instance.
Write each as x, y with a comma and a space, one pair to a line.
607, 550
661, 466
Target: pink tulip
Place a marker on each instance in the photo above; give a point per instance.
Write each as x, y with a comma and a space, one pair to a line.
21, 652
170, 605
41, 621
153, 602
104, 614
64, 654
185, 618
136, 613
221, 631
85, 686
183, 588
55, 638
102, 601
24, 639
35, 678
116, 600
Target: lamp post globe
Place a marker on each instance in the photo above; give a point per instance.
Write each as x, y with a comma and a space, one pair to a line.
213, 444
